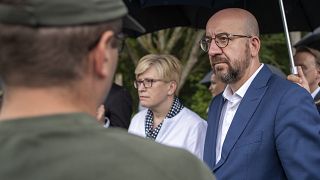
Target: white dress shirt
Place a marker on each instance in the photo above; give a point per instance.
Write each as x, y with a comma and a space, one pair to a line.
315, 92
229, 110
185, 130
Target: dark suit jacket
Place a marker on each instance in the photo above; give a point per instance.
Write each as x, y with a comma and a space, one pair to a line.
317, 101
118, 107
275, 133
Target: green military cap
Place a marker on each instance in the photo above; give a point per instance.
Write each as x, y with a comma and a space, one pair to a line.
39, 13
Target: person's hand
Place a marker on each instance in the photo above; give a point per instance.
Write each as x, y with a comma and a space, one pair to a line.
300, 79
100, 114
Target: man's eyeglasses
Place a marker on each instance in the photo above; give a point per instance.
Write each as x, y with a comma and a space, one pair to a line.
221, 40
147, 83
120, 41
120, 38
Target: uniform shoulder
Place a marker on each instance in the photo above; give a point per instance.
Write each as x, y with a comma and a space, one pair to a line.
166, 160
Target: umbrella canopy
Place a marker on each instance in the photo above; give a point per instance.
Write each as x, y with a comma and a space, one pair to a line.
302, 15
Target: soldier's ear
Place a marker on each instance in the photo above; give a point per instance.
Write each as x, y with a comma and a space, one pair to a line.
102, 53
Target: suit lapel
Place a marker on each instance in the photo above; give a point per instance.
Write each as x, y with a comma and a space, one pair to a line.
317, 97
317, 101
246, 109
212, 131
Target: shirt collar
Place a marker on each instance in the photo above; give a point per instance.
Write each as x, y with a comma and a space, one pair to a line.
175, 108
227, 94
315, 92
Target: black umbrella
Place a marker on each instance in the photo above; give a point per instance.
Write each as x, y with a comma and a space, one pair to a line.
302, 15
272, 15
155, 18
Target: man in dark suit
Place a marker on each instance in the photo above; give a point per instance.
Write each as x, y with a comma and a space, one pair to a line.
308, 59
118, 107
261, 126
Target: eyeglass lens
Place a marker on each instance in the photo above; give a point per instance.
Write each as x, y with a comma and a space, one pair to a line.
120, 41
147, 83
221, 40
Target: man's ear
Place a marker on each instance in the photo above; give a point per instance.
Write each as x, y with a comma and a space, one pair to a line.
318, 71
100, 53
255, 46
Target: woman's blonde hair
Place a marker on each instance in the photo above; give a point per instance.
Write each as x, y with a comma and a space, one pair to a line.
167, 66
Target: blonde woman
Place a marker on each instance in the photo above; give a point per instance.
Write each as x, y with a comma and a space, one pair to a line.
165, 119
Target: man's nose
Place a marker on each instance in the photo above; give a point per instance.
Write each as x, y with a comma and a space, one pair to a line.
214, 49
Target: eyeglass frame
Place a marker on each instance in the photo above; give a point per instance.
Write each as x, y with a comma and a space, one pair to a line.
137, 83
207, 40
120, 37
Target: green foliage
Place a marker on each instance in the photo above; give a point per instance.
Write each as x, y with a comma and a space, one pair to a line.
194, 95
274, 51
197, 98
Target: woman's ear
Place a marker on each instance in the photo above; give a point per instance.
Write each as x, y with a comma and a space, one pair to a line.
172, 88
102, 54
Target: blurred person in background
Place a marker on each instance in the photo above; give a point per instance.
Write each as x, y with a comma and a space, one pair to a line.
117, 108
308, 61
215, 86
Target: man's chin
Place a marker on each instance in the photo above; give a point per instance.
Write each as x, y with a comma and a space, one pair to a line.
220, 70
221, 67
221, 75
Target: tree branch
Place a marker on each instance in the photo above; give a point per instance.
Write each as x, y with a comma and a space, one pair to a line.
175, 36
192, 59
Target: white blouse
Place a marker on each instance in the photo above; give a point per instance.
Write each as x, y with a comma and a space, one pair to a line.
186, 130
